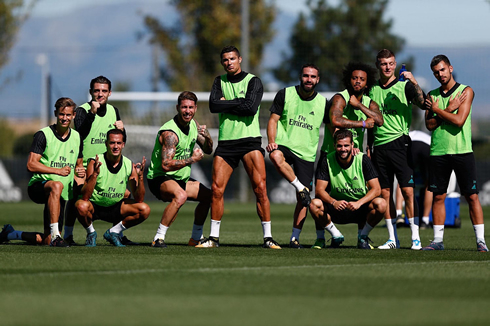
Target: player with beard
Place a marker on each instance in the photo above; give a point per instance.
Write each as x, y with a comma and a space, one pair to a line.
293, 134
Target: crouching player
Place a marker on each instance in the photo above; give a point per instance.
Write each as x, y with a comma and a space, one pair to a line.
354, 191
103, 192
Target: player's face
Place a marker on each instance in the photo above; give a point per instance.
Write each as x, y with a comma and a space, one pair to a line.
309, 79
115, 144
187, 110
358, 81
231, 62
64, 116
443, 72
100, 93
386, 66
343, 147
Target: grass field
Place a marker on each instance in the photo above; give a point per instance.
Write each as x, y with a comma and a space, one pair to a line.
240, 283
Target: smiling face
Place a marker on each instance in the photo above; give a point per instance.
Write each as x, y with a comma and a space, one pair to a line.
186, 111
100, 93
443, 72
114, 144
231, 62
358, 81
343, 148
64, 116
386, 67
309, 79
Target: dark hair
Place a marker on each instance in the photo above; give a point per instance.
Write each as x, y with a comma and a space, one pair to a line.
384, 54
438, 58
64, 102
341, 134
310, 65
353, 66
187, 95
229, 48
100, 80
116, 132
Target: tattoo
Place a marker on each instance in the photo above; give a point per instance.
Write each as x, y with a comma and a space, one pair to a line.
170, 142
205, 142
419, 98
338, 121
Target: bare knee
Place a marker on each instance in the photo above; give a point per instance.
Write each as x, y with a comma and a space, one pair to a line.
144, 210
180, 198
83, 207
56, 188
260, 191
276, 157
316, 207
379, 205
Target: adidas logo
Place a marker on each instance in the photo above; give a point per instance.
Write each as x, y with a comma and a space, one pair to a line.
109, 126
312, 113
121, 182
241, 92
411, 181
474, 187
71, 152
355, 178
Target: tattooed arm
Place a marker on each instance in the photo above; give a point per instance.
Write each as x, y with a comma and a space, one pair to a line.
204, 139
338, 121
169, 141
415, 93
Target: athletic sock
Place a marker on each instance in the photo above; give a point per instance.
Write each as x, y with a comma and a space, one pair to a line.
215, 226
438, 233
399, 212
426, 220
266, 229
298, 185
390, 228
295, 234
320, 234
118, 228
16, 235
196, 232
68, 231
366, 229
54, 230
161, 232
479, 231
332, 229
414, 227
90, 228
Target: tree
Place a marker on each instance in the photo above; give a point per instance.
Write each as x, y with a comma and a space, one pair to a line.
331, 36
193, 45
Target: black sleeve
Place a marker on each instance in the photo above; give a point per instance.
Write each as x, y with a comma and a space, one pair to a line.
279, 100
368, 169
38, 143
247, 106
80, 149
83, 122
118, 117
410, 92
326, 117
322, 169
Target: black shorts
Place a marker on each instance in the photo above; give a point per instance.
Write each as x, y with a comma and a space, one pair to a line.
464, 167
232, 152
346, 216
111, 214
421, 156
154, 184
395, 161
302, 169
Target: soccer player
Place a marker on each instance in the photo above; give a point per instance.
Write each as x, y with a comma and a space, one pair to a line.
236, 97
170, 168
449, 119
93, 120
392, 145
104, 189
293, 133
354, 191
55, 159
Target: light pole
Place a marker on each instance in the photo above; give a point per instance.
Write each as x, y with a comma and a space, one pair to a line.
42, 60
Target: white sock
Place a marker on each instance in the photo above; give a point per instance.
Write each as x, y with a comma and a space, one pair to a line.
266, 228
54, 230
298, 185
414, 221
426, 220
366, 229
68, 231
295, 234
90, 228
320, 234
479, 232
391, 230
438, 233
118, 228
16, 235
196, 232
399, 212
332, 229
161, 232
215, 226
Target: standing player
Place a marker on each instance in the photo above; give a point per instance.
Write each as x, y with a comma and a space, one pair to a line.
170, 169
55, 159
236, 97
104, 189
392, 145
353, 195
449, 118
293, 132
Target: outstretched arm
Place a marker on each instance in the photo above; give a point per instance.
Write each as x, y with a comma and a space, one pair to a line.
272, 132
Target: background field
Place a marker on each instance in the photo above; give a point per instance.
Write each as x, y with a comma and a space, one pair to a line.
240, 283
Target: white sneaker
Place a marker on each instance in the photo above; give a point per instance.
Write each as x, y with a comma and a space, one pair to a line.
390, 244
416, 244
208, 243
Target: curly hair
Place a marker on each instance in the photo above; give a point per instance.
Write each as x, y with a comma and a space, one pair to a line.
353, 66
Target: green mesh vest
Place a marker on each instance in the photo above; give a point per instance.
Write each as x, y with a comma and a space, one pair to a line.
397, 112
232, 126
448, 138
183, 151
346, 184
94, 143
59, 154
110, 188
351, 114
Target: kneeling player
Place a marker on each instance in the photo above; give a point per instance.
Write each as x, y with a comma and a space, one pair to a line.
103, 192
354, 191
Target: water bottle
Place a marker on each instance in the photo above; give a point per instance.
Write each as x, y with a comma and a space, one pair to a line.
401, 77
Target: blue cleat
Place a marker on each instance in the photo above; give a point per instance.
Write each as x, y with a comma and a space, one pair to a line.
434, 246
363, 242
481, 246
90, 241
113, 238
7, 228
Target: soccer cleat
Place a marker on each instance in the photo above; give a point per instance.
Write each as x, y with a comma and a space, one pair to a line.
400, 220
91, 240
125, 241
434, 246
70, 241
113, 238
7, 228
304, 196
363, 242
58, 242
270, 243
416, 244
481, 246
209, 243
424, 225
295, 244
159, 243
319, 244
336, 241
193, 242
390, 244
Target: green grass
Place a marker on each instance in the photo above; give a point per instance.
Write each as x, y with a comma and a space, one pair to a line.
240, 283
